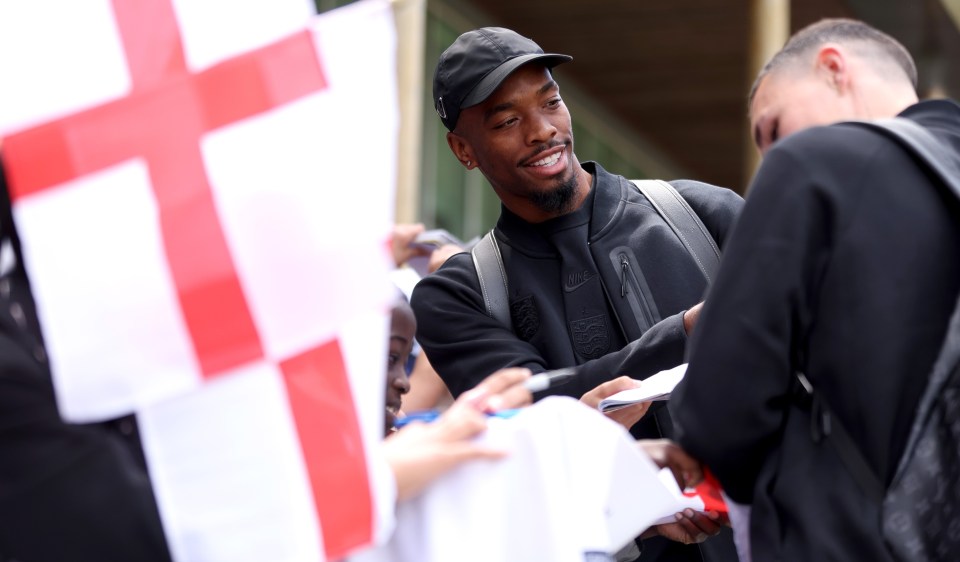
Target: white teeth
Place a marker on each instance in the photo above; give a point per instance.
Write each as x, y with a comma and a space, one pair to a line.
548, 161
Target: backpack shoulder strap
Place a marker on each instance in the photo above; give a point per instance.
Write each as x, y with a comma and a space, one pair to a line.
493, 278
922, 143
684, 222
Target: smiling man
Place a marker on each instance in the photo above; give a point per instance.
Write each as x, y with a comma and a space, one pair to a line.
596, 278
533, 170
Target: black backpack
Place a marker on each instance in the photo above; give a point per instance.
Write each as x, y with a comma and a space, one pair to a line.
920, 509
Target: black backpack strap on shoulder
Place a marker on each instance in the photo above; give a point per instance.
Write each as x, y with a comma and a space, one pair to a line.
685, 223
493, 278
923, 144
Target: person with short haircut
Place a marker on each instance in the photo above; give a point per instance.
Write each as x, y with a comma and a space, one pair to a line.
844, 267
596, 277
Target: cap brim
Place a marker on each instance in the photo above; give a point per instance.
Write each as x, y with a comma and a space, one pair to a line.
492, 80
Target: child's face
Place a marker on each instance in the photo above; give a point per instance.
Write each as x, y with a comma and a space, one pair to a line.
403, 327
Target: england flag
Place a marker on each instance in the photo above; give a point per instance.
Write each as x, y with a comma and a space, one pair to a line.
204, 191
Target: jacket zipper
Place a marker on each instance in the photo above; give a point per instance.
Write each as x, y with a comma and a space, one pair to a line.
624, 266
638, 299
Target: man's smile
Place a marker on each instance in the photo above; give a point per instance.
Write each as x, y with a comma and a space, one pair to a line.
547, 162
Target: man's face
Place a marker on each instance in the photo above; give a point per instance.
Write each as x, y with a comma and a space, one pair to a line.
791, 100
521, 139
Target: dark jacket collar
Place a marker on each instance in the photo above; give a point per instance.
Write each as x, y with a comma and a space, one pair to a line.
940, 116
941, 111
603, 205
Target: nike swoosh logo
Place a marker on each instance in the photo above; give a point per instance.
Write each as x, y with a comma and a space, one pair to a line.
575, 286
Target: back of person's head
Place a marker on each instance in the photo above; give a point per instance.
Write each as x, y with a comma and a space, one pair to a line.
834, 70
880, 51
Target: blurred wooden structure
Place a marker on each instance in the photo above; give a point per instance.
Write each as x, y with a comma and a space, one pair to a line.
677, 72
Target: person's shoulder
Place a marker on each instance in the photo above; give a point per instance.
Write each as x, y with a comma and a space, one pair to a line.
843, 143
702, 195
696, 185
831, 164
456, 266
453, 287
694, 191
610, 179
703, 189
457, 273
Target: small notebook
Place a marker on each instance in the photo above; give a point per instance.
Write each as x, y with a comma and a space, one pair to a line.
656, 387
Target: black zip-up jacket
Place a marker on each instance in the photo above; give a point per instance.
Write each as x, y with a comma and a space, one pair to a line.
575, 286
647, 277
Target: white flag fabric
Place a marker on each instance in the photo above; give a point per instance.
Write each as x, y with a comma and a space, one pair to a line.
197, 199
204, 191
574, 487
243, 469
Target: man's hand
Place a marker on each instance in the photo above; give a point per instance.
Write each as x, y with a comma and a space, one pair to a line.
690, 317
401, 240
500, 391
665, 453
691, 527
419, 453
626, 417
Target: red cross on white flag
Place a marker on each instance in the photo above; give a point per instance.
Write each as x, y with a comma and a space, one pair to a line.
203, 191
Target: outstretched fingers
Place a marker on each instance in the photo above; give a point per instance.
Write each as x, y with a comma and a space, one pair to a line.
501, 390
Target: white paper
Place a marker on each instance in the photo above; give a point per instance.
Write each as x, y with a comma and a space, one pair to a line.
681, 501
655, 387
573, 482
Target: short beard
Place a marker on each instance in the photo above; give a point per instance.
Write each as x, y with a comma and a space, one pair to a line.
559, 200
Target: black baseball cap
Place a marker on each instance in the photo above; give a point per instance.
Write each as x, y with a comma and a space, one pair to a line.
476, 63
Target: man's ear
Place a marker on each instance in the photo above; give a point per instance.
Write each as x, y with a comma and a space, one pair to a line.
832, 65
462, 150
